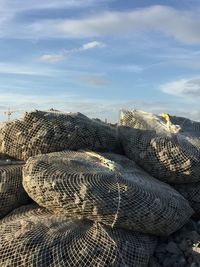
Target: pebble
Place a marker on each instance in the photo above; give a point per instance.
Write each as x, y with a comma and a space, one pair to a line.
173, 248
181, 249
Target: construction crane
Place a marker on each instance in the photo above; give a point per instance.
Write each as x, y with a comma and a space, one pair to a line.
9, 113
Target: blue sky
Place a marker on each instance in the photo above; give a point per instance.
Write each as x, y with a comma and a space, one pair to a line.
99, 56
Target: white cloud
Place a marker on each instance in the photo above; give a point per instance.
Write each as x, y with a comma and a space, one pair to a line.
86, 46
182, 25
183, 87
10, 10
13, 68
94, 80
28, 100
92, 45
52, 58
130, 68
179, 24
91, 107
23, 5
60, 57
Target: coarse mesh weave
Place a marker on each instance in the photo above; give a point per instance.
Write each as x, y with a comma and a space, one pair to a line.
104, 187
12, 193
35, 237
169, 156
192, 193
189, 128
41, 132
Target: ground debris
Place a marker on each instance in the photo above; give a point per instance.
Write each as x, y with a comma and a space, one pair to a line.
181, 249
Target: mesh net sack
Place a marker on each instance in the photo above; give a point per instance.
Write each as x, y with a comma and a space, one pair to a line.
105, 187
41, 132
165, 150
12, 193
32, 236
192, 193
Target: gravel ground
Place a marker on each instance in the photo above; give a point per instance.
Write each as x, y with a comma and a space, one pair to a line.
181, 249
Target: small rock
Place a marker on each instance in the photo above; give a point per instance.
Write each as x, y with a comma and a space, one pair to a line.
173, 248
161, 248
183, 245
168, 262
181, 261
178, 264
160, 257
193, 236
153, 262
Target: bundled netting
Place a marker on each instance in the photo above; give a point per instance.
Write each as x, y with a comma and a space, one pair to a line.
192, 193
41, 132
189, 128
186, 124
33, 236
12, 193
107, 188
161, 147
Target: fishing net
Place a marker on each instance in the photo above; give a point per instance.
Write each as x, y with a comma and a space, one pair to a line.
12, 193
35, 237
104, 187
192, 193
41, 132
162, 148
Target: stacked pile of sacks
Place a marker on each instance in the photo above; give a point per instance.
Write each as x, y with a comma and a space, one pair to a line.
79, 201
168, 148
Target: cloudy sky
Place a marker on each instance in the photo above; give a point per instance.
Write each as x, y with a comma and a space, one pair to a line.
99, 56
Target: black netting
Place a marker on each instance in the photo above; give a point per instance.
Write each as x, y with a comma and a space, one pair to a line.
41, 132
12, 193
105, 187
167, 151
33, 236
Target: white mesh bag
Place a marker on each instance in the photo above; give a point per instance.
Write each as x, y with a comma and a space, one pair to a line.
41, 132
105, 187
191, 192
33, 236
168, 151
12, 193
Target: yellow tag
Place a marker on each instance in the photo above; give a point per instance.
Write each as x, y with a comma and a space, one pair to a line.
166, 116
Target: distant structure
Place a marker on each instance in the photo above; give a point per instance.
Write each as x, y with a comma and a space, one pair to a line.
55, 110
9, 113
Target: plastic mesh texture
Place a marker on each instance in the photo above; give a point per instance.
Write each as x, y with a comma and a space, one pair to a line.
192, 193
169, 156
105, 187
40, 132
12, 193
189, 128
33, 236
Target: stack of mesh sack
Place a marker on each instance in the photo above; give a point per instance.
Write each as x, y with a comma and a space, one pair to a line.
109, 209
167, 147
91, 208
40, 132
34, 236
12, 193
191, 191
